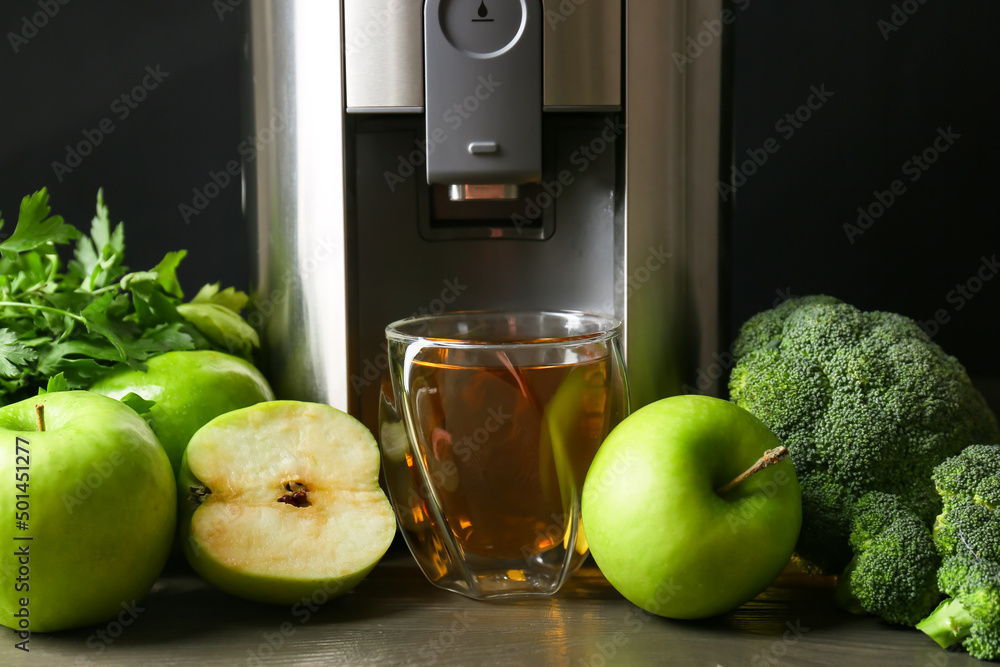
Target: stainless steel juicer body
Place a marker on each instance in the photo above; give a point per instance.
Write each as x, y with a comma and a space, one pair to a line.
457, 154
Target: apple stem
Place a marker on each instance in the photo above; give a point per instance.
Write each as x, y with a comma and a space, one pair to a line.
40, 412
770, 457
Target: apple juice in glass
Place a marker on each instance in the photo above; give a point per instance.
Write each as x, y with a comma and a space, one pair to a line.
489, 423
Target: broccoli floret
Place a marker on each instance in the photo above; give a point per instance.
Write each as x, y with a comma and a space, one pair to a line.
968, 485
894, 570
967, 535
965, 527
864, 401
972, 614
974, 476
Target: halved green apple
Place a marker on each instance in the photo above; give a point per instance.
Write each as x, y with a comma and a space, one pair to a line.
281, 500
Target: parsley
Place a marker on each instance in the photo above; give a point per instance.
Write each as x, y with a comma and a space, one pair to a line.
65, 327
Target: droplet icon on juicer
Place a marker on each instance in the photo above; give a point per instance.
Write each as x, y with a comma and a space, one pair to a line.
483, 11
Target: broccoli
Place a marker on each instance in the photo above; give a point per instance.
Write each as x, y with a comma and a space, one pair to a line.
972, 614
864, 401
965, 527
973, 476
894, 570
969, 486
967, 535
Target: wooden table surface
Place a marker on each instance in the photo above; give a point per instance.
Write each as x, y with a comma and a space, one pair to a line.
396, 618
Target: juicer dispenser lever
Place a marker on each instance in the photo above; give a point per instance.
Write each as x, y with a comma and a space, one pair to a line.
483, 96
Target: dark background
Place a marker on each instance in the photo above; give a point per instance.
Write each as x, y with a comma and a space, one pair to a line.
893, 88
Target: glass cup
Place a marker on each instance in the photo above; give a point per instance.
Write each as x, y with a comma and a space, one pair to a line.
488, 424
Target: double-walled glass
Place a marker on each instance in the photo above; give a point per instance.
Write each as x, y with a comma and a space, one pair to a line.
488, 424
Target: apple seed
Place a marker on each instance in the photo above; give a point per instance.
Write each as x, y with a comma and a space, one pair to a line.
298, 498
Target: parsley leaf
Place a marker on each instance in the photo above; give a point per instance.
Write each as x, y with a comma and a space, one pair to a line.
221, 326
98, 258
229, 298
166, 272
13, 354
35, 228
56, 383
66, 328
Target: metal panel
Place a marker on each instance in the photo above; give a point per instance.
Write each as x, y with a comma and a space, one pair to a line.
384, 47
582, 43
706, 130
671, 203
295, 197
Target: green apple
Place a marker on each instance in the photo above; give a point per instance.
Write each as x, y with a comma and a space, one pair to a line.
281, 501
190, 388
98, 501
657, 524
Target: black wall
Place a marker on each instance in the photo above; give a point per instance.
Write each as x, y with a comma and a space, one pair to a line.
886, 80
903, 75
70, 77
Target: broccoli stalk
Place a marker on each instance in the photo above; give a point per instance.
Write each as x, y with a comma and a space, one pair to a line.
972, 615
949, 624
